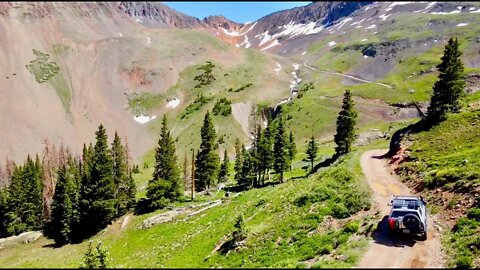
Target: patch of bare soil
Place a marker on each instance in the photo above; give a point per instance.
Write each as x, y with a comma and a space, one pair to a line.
395, 251
241, 113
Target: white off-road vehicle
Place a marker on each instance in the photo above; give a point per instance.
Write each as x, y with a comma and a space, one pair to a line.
408, 215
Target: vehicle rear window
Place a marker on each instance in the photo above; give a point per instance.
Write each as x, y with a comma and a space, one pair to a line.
401, 213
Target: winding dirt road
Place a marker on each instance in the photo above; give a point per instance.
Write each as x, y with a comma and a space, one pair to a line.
346, 76
402, 251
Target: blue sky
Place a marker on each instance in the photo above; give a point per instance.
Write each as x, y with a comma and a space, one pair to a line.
240, 12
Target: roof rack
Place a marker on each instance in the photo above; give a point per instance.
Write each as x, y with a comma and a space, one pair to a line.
401, 203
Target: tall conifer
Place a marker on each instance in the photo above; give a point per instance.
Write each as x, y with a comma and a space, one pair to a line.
449, 89
346, 121
165, 185
207, 161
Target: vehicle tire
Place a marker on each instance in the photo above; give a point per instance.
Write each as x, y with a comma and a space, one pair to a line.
411, 222
424, 236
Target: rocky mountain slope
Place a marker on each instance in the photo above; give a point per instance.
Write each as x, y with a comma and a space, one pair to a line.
67, 67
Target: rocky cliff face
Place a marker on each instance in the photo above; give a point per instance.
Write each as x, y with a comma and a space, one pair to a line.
322, 13
159, 15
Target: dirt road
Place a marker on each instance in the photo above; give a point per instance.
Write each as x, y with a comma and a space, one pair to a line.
402, 251
346, 76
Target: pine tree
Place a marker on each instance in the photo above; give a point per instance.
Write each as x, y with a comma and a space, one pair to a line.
292, 149
97, 202
4, 221
238, 159
31, 204
102, 178
165, 185
255, 155
74, 174
207, 161
223, 174
247, 172
312, 150
15, 224
123, 189
95, 259
280, 150
449, 89
59, 226
346, 121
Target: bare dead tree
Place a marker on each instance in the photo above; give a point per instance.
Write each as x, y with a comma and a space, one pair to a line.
185, 171
128, 157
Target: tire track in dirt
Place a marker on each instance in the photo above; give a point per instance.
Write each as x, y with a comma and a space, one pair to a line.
386, 251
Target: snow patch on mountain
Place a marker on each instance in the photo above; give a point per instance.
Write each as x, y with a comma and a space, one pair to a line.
371, 26
294, 83
265, 38
462, 24
426, 8
384, 16
446, 13
277, 70
343, 22
331, 43
173, 103
249, 29
232, 33
397, 4
274, 43
359, 22
142, 119
245, 42
292, 29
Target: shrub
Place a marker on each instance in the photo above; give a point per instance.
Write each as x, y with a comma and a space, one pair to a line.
206, 77
474, 214
241, 88
199, 101
222, 107
304, 88
340, 211
95, 259
464, 261
351, 227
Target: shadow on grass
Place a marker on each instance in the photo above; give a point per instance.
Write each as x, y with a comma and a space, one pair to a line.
395, 142
326, 163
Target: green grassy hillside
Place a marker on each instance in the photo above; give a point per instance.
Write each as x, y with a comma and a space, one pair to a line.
445, 160
304, 222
